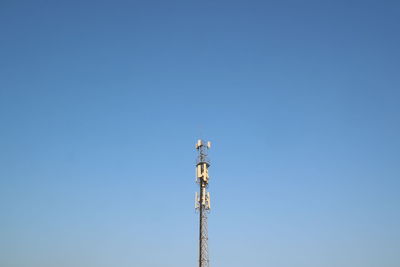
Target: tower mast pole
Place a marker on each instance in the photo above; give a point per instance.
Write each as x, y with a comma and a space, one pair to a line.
202, 200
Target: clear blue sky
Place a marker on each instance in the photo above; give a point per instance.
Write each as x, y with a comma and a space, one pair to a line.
101, 103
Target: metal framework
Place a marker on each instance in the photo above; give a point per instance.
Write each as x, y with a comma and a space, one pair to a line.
202, 200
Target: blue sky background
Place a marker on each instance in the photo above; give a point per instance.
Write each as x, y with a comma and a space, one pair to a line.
101, 103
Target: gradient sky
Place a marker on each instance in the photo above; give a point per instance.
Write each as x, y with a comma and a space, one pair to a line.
101, 103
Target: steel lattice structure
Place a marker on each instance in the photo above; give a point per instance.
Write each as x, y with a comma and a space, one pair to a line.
203, 246
202, 200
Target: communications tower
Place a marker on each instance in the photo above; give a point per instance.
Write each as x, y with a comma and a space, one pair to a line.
202, 199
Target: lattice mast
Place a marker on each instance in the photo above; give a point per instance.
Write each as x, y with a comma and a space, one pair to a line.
202, 199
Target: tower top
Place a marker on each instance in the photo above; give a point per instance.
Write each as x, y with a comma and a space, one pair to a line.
200, 143
202, 148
